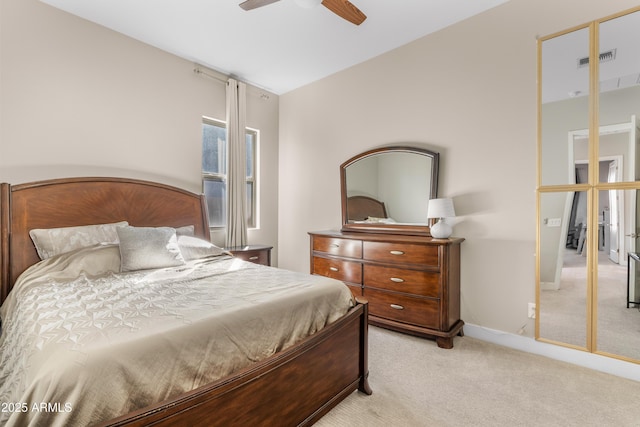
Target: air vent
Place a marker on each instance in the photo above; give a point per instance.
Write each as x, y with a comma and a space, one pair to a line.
607, 56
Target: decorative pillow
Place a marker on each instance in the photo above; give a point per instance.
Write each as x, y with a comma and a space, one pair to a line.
187, 230
91, 261
194, 248
143, 248
54, 241
97, 260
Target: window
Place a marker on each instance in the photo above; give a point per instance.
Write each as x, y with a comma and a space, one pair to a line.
214, 171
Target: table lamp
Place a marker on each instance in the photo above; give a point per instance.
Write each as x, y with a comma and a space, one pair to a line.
441, 209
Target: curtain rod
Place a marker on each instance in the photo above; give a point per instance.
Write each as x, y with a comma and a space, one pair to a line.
202, 72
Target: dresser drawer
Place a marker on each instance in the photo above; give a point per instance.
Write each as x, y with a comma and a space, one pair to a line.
339, 247
423, 283
255, 257
390, 305
401, 253
258, 254
346, 271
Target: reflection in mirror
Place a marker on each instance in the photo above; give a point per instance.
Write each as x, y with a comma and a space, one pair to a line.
388, 189
564, 102
392, 171
563, 268
617, 316
618, 292
617, 142
619, 78
598, 311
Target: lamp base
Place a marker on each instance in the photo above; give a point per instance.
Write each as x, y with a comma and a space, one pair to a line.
441, 230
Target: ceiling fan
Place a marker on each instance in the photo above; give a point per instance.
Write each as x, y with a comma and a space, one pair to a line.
343, 8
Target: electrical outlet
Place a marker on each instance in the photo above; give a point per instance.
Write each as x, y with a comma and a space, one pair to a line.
531, 310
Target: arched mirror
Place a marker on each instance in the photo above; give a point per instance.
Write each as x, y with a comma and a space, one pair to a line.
588, 253
387, 190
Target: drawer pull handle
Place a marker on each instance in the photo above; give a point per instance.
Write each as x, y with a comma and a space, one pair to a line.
333, 268
396, 252
397, 280
253, 258
334, 245
397, 307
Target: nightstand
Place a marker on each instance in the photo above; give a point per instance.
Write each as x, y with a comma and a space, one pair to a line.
259, 254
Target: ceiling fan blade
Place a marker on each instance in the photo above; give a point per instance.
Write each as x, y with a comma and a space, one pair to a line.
345, 9
254, 4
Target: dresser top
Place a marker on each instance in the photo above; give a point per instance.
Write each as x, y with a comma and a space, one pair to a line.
384, 237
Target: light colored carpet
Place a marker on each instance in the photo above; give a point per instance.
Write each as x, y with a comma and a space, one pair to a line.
479, 384
563, 314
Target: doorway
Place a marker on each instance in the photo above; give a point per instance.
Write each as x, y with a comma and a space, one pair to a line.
610, 211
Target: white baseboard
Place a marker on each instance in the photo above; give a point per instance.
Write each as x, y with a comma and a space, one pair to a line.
596, 362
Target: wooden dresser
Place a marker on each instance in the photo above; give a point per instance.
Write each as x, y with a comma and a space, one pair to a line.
412, 283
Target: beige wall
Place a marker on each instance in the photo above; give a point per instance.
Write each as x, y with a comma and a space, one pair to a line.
79, 99
468, 92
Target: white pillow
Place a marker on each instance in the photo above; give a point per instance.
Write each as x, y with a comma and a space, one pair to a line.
143, 248
186, 230
194, 248
54, 241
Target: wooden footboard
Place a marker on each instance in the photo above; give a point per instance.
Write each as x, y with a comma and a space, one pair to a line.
292, 388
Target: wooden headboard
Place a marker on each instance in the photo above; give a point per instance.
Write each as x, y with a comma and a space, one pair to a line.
360, 208
85, 201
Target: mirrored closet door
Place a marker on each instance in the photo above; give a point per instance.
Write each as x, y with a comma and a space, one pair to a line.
588, 250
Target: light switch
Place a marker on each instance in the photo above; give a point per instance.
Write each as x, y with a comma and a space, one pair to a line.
554, 222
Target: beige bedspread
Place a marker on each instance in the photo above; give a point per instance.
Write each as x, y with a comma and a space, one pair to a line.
81, 344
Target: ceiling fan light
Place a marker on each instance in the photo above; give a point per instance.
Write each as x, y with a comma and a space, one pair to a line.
308, 4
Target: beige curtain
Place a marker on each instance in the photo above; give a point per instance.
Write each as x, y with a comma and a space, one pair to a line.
236, 164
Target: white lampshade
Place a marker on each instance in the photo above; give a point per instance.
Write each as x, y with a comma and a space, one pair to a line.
441, 208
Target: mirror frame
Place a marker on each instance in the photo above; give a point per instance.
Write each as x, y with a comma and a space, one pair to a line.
409, 229
595, 331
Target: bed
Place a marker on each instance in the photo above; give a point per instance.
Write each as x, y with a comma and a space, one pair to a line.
364, 209
295, 384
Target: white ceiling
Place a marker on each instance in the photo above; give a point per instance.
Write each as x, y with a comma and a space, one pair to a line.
278, 47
